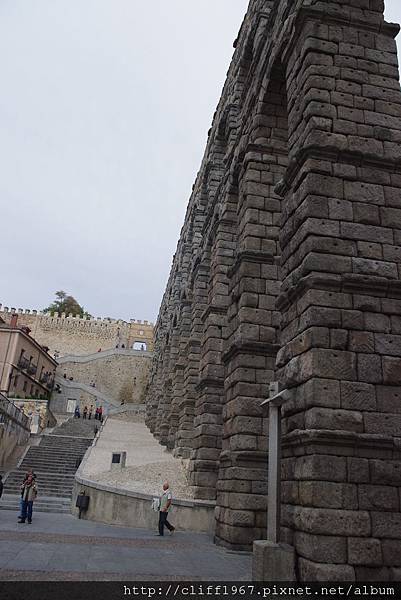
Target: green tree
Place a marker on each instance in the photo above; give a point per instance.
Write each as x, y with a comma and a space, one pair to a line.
66, 304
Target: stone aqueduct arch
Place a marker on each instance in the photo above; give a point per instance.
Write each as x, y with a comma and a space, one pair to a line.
288, 268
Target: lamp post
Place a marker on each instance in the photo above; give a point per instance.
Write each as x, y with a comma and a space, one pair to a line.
273, 560
274, 402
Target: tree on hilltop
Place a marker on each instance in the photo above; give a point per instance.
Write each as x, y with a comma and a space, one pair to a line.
66, 304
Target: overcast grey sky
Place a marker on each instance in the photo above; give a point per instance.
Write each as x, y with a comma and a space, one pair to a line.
104, 112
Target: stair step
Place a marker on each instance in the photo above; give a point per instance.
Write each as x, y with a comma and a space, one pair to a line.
48, 468
54, 460
13, 501
66, 488
51, 508
40, 474
63, 442
50, 463
42, 484
60, 449
63, 445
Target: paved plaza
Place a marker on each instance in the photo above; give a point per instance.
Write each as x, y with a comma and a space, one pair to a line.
61, 547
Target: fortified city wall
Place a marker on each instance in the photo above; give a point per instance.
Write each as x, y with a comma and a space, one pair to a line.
69, 334
288, 269
122, 375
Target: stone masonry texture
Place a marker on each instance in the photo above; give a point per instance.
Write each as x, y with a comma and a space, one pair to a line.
69, 334
121, 378
121, 373
288, 269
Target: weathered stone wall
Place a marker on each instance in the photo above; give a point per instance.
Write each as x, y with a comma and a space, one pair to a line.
14, 429
74, 335
288, 269
122, 377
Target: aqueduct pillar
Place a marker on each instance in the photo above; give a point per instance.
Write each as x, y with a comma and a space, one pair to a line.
303, 235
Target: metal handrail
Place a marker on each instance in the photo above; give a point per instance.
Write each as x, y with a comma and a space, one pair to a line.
23, 363
10, 412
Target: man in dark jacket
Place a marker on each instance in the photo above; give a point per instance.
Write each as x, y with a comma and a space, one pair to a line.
29, 473
1, 485
29, 491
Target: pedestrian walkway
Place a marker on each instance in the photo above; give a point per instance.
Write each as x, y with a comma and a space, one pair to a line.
63, 548
54, 461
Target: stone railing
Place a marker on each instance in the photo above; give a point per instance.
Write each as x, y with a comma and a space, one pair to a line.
14, 428
83, 358
10, 412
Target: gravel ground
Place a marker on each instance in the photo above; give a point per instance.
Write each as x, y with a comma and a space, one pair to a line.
149, 479
148, 463
129, 418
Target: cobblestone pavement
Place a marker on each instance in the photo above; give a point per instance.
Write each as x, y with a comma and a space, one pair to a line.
61, 547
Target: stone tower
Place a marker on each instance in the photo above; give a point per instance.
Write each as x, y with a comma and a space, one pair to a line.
288, 269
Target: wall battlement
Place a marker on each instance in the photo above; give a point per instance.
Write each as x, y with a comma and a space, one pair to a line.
73, 334
98, 320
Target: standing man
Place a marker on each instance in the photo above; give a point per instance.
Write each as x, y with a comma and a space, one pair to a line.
29, 493
1, 485
165, 503
29, 473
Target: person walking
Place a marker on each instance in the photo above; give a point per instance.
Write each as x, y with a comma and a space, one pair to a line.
165, 504
90, 412
1, 485
100, 413
77, 414
29, 493
85, 412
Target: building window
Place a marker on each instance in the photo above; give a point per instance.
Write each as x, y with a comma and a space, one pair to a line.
139, 346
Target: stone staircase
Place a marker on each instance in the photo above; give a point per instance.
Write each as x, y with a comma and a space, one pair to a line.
78, 428
54, 461
73, 389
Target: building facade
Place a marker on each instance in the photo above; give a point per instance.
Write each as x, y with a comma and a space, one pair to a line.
26, 368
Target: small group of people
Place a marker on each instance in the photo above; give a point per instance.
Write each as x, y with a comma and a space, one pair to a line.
88, 412
29, 492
